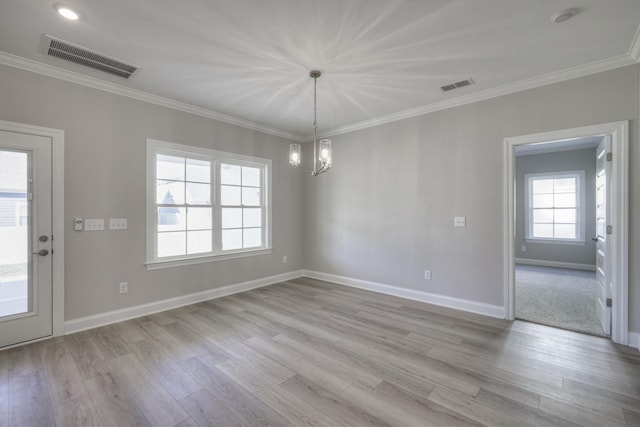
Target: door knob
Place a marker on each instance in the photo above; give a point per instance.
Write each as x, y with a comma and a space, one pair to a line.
595, 238
42, 252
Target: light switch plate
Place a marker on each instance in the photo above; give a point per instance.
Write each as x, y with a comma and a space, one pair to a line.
93, 224
459, 221
117, 223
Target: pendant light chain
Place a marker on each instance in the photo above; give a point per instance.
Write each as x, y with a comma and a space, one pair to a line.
323, 148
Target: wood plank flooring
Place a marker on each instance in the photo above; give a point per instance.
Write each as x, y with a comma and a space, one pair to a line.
311, 353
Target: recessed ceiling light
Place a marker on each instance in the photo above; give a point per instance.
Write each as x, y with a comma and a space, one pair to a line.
564, 15
67, 13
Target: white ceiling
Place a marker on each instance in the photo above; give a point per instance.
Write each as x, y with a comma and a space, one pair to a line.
250, 59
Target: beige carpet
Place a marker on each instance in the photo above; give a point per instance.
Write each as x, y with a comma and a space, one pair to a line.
557, 297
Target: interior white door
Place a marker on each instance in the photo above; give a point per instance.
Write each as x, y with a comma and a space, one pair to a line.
603, 208
25, 238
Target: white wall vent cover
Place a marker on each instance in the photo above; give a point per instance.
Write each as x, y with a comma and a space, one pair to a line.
87, 57
457, 85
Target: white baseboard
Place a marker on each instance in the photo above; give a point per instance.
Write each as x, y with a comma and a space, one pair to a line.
102, 319
634, 340
556, 264
442, 300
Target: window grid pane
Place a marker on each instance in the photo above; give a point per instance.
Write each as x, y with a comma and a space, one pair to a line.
204, 203
554, 208
241, 188
183, 202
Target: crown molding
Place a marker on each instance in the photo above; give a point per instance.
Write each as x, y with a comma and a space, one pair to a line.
555, 77
632, 57
634, 50
92, 82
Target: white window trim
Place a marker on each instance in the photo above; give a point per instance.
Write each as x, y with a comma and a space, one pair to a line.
156, 146
580, 217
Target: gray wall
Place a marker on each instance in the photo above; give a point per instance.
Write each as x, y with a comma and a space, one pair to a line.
558, 162
105, 137
385, 211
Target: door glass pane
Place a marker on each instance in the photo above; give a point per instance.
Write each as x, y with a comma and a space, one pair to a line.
15, 260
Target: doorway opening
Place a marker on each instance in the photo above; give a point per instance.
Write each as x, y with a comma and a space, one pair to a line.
566, 229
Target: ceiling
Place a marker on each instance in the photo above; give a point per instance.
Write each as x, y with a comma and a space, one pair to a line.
248, 61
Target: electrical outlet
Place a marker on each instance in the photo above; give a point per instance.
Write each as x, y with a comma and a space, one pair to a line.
523, 248
124, 287
78, 224
117, 223
93, 224
427, 275
284, 259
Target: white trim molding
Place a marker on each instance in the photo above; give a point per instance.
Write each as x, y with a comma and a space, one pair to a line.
555, 77
57, 213
555, 264
532, 83
109, 317
618, 252
634, 49
436, 299
106, 86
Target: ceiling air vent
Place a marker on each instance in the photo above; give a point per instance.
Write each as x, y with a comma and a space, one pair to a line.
457, 85
87, 57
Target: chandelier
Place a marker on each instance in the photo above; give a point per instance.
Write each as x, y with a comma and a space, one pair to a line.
321, 149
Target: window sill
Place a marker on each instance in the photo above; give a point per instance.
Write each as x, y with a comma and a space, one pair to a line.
157, 265
557, 242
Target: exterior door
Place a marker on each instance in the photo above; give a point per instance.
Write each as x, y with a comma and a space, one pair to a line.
603, 208
25, 238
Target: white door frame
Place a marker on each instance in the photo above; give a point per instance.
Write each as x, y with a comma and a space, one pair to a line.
57, 212
619, 132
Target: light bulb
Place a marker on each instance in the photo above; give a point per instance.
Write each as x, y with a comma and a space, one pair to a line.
325, 154
294, 157
68, 13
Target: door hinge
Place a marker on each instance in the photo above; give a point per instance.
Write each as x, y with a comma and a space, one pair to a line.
609, 303
609, 156
609, 229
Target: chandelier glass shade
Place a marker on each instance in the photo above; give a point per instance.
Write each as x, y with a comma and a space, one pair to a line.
321, 149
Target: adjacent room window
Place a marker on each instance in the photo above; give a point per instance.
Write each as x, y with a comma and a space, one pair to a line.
203, 203
554, 206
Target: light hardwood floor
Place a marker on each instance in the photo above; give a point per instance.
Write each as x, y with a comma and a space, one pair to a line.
307, 352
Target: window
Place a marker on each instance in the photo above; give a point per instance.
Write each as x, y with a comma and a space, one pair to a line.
204, 204
554, 206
